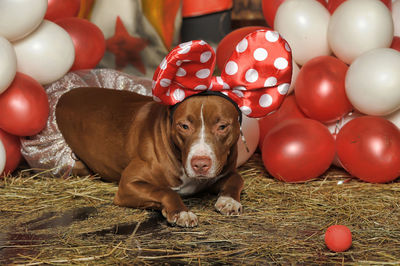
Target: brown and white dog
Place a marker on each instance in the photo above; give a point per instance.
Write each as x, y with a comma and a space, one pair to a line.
154, 154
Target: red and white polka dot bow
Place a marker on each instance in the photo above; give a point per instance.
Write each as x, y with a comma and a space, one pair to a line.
257, 75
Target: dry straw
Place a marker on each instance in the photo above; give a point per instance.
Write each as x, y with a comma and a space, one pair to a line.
47, 220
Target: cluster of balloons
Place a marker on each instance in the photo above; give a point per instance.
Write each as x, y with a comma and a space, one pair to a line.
346, 103
40, 41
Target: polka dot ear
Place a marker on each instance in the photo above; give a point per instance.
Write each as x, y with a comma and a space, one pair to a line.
261, 64
185, 71
261, 59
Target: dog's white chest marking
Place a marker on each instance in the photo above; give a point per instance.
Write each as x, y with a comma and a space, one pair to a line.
191, 186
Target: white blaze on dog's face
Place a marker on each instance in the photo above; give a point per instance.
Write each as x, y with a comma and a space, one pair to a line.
206, 130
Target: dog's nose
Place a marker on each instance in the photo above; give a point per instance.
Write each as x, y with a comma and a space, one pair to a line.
201, 164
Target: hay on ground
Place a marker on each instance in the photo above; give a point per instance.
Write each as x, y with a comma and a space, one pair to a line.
48, 220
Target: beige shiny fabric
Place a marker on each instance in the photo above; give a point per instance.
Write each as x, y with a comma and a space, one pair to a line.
48, 149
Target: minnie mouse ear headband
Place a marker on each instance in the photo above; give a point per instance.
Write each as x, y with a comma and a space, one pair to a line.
256, 76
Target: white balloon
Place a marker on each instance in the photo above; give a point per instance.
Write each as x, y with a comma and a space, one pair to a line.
358, 26
18, 18
295, 73
2, 157
304, 24
373, 82
105, 12
46, 54
251, 132
394, 118
396, 17
8, 64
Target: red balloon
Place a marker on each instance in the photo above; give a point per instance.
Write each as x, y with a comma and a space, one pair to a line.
369, 148
57, 9
396, 43
288, 110
333, 4
388, 3
338, 238
269, 8
24, 107
12, 145
88, 41
228, 43
298, 150
320, 91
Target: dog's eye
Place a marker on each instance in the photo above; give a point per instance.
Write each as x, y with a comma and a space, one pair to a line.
184, 126
222, 127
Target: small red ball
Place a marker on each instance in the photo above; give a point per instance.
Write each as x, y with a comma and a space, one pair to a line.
338, 238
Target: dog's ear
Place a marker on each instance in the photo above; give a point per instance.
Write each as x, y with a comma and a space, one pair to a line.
232, 158
171, 132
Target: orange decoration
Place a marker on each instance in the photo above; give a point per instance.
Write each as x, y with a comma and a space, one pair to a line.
161, 14
86, 8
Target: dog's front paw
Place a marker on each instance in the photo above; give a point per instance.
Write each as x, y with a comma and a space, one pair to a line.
182, 219
186, 219
228, 206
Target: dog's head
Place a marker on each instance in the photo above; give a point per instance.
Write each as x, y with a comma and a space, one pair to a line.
206, 130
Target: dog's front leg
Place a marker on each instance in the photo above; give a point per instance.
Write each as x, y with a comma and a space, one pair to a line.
134, 192
229, 190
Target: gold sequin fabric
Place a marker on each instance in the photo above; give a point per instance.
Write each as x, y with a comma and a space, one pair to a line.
48, 149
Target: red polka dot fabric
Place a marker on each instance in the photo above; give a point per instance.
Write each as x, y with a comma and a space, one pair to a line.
256, 76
